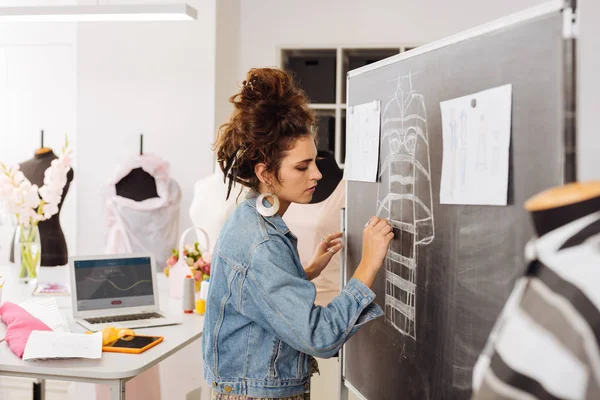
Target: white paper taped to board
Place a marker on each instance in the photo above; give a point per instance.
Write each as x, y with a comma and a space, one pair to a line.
362, 142
476, 133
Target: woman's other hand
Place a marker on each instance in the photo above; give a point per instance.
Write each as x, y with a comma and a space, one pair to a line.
327, 248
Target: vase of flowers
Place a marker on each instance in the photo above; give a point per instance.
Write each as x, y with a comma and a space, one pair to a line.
31, 204
28, 252
197, 261
189, 259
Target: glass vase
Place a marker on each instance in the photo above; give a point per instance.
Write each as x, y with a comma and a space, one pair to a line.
28, 253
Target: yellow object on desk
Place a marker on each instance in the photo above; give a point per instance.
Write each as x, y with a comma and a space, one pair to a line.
111, 334
200, 306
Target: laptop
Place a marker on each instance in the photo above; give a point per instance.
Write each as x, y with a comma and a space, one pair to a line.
116, 290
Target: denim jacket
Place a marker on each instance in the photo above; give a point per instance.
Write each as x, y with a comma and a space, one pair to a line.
261, 326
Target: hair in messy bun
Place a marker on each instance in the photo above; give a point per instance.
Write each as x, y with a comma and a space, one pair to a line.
270, 114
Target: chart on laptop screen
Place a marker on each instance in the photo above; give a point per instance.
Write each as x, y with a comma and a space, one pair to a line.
113, 283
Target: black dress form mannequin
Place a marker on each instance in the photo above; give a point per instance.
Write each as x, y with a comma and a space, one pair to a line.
138, 185
54, 246
332, 175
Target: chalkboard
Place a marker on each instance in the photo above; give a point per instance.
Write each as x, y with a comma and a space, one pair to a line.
452, 267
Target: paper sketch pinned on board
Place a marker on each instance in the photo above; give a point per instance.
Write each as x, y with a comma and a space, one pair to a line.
362, 142
404, 197
476, 132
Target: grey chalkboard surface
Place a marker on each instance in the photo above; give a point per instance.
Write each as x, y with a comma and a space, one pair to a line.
452, 267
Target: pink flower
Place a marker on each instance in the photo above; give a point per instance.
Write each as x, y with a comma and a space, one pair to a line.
172, 261
199, 263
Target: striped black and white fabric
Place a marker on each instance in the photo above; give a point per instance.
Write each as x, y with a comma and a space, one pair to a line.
546, 342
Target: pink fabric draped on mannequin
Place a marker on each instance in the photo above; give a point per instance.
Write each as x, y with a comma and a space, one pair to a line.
151, 225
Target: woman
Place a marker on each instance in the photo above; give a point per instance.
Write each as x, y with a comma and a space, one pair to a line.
262, 329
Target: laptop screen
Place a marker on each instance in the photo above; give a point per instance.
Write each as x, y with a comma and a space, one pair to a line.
113, 283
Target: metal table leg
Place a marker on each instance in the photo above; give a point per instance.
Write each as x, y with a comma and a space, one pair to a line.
117, 390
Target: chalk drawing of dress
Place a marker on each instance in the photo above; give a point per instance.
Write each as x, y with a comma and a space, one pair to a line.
404, 197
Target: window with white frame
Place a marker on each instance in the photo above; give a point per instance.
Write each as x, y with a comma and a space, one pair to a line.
321, 72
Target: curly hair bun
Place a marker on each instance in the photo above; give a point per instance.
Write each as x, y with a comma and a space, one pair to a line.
270, 114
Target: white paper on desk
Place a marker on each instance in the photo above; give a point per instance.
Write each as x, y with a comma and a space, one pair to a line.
362, 142
46, 310
476, 133
43, 345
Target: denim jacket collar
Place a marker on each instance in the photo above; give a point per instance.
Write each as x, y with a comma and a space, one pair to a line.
276, 220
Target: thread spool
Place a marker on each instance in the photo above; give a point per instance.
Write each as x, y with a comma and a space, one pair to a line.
204, 285
200, 306
203, 296
188, 295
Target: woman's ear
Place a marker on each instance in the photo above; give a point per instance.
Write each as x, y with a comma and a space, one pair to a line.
262, 174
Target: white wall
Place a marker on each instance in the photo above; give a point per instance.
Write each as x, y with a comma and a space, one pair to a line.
589, 90
150, 77
269, 24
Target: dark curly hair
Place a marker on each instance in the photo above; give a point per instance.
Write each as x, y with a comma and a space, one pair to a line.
270, 114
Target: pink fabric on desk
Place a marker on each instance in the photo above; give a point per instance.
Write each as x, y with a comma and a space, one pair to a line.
19, 325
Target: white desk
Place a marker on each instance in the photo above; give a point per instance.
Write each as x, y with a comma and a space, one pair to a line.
113, 369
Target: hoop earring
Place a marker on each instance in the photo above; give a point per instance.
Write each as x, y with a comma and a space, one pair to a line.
267, 211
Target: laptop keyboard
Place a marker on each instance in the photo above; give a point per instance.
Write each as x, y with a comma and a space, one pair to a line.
121, 318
